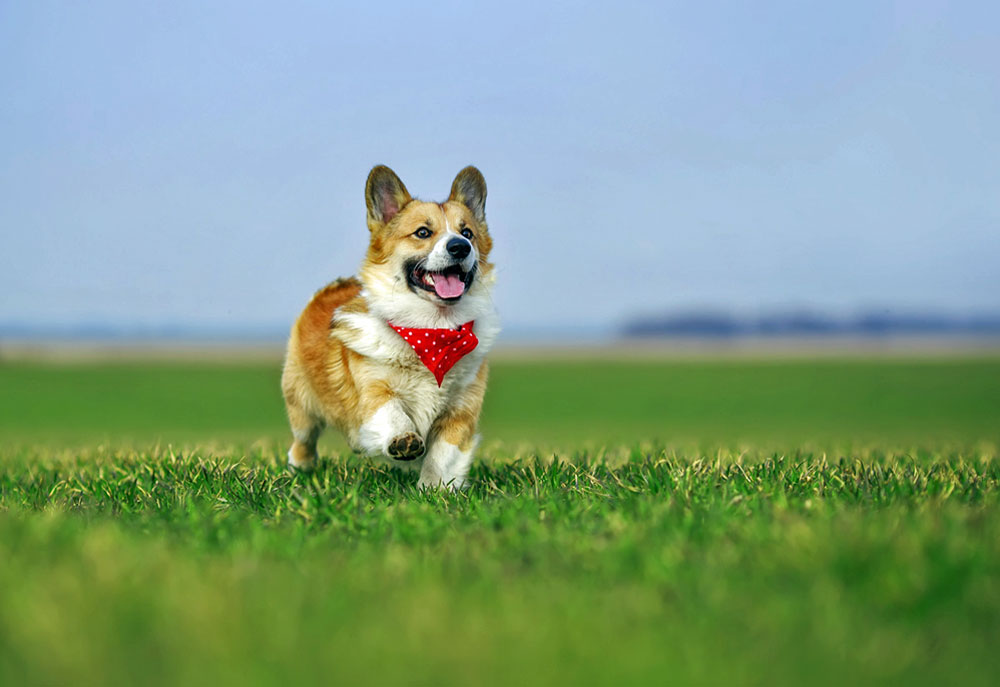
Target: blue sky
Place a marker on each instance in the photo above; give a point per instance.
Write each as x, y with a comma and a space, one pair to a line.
180, 163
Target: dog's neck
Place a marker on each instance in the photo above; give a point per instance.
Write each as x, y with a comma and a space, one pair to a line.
397, 305
372, 333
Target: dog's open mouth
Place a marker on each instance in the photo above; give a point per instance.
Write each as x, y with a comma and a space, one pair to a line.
449, 284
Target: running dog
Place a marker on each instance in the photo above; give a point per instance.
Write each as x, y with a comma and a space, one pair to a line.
395, 358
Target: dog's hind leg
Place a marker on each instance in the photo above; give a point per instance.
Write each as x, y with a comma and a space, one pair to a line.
306, 429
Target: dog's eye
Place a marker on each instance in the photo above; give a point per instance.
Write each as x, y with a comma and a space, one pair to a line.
423, 233
467, 233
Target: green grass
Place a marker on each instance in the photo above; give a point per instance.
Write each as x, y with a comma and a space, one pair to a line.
747, 522
560, 403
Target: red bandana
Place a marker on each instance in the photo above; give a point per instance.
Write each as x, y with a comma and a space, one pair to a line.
439, 349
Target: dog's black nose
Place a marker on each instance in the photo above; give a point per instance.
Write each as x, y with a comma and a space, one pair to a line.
458, 248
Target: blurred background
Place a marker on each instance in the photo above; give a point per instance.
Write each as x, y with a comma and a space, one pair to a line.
178, 171
743, 422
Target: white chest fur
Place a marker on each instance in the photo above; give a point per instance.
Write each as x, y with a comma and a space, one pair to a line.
399, 367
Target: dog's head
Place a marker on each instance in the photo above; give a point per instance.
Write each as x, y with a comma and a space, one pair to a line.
427, 263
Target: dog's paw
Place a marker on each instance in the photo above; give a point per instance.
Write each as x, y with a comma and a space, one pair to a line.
407, 446
301, 460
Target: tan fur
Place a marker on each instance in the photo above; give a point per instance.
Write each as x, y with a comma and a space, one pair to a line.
344, 365
395, 240
458, 425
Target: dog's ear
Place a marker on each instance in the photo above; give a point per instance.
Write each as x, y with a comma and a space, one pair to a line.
469, 189
385, 196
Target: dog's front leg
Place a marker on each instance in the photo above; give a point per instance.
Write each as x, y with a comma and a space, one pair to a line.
453, 438
447, 464
452, 445
389, 431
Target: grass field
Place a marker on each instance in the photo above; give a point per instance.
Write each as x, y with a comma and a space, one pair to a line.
688, 522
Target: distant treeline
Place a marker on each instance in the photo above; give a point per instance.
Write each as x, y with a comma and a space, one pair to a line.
722, 325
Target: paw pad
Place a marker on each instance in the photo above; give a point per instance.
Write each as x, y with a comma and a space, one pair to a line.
408, 446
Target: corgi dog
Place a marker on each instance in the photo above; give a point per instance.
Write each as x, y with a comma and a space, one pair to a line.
395, 358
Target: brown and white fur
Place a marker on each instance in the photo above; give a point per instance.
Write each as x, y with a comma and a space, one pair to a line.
347, 368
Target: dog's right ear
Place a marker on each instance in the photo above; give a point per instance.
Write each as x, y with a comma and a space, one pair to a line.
385, 196
469, 189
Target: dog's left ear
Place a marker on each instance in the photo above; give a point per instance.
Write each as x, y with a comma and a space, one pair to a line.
469, 189
385, 196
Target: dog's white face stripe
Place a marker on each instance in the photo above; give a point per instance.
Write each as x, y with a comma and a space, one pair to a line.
439, 258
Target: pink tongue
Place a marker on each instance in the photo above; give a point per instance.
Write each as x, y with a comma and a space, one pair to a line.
448, 285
